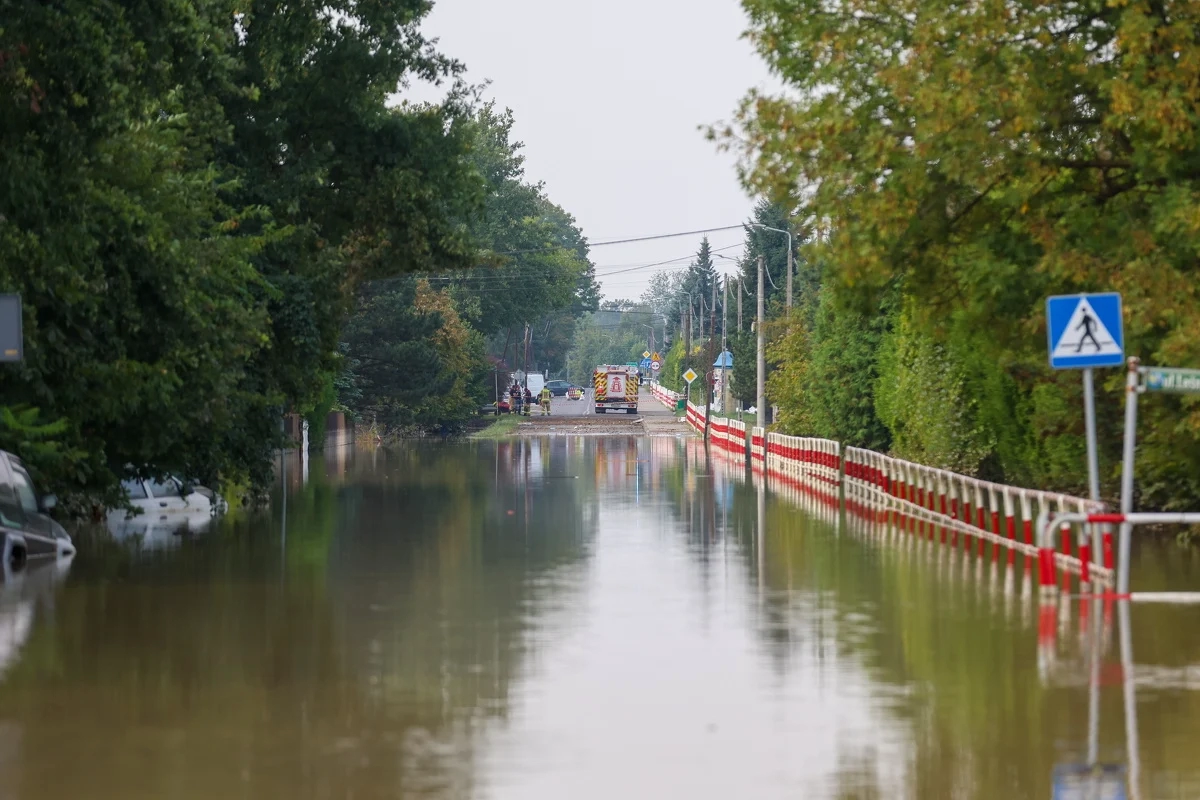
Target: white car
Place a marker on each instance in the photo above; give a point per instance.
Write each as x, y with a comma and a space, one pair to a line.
166, 509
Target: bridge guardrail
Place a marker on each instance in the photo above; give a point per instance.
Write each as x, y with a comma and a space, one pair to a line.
984, 510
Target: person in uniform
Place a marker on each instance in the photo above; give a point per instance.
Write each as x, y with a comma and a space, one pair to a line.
544, 398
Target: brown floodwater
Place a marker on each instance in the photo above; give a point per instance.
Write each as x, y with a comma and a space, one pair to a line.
578, 617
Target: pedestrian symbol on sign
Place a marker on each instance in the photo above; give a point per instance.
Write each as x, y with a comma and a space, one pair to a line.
1085, 331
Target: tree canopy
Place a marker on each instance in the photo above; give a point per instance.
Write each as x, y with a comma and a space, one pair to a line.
196, 197
973, 159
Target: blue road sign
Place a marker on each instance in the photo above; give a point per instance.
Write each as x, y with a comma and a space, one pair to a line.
1085, 330
644, 364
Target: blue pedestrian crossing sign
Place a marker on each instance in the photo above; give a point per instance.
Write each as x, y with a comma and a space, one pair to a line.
1085, 330
644, 364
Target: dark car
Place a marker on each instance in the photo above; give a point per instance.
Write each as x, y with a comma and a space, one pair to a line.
25, 527
558, 388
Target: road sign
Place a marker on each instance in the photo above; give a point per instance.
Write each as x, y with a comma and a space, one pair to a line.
645, 364
645, 354
1085, 330
1167, 379
12, 346
656, 357
655, 365
690, 375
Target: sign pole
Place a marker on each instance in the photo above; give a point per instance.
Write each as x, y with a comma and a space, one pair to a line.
1131, 410
1093, 458
1089, 422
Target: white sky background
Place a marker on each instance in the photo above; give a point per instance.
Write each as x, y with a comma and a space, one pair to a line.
609, 98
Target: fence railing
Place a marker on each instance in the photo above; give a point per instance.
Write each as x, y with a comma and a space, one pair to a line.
803, 456
926, 501
922, 497
665, 396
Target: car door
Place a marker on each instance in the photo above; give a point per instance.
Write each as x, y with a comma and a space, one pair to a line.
36, 521
166, 496
13, 516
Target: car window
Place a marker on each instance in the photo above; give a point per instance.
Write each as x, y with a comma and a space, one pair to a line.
12, 515
135, 489
167, 488
25, 493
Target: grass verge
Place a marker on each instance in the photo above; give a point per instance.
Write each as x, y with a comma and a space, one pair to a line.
500, 429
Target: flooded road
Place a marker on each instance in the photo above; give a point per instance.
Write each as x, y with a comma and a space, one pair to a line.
570, 617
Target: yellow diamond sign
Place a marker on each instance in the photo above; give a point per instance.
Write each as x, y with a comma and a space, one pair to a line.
690, 375
645, 354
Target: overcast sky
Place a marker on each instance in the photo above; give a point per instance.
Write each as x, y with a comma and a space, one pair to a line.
609, 98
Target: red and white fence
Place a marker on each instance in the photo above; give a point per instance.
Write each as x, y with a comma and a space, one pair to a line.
758, 444
804, 457
925, 501
728, 434
665, 396
934, 502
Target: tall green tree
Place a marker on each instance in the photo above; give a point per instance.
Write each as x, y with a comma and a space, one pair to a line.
985, 157
190, 194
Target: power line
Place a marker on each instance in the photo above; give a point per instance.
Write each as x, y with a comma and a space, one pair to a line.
629, 240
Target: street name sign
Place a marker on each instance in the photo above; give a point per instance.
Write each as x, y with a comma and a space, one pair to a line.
12, 347
1168, 379
1085, 330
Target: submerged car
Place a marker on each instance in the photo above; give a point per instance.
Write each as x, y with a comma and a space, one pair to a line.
168, 505
26, 527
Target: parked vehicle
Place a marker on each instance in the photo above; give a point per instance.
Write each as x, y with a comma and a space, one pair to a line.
170, 504
26, 527
616, 388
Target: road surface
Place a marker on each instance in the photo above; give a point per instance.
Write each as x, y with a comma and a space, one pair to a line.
579, 417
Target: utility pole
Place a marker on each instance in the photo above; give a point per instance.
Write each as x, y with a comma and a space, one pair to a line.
740, 290
724, 348
762, 353
525, 362
789, 275
710, 370
687, 343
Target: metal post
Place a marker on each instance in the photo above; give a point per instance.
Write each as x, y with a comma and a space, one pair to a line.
762, 352
687, 346
1089, 422
1131, 725
724, 349
1093, 459
741, 288
712, 341
1095, 653
1131, 404
789, 274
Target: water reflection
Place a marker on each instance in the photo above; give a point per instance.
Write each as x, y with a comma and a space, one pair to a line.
568, 617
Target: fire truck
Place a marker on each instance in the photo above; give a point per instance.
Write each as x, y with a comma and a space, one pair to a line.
616, 388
